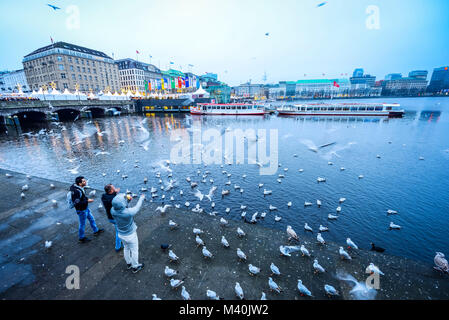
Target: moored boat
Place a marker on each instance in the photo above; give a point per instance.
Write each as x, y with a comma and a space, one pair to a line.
343, 109
227, 109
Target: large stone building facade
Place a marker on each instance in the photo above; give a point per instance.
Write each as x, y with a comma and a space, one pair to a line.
68, 66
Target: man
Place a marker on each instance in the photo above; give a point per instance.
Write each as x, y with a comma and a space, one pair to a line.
124, 218
106, 198
81, 202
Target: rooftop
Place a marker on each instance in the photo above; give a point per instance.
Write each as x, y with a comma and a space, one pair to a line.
69, 46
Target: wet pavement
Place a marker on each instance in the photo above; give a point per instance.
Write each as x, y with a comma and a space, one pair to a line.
30, 271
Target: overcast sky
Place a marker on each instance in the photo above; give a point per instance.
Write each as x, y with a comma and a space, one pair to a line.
227, 37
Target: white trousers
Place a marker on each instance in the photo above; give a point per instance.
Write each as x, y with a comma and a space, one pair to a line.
131, 249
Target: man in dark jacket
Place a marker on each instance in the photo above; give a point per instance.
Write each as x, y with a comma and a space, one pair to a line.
81, 203
106, 198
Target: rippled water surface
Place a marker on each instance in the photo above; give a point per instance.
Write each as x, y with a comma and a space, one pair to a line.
398, 180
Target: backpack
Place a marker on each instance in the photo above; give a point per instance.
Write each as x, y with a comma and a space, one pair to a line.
69, 201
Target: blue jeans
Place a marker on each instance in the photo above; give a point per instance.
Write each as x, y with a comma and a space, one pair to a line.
118, 241
83, 215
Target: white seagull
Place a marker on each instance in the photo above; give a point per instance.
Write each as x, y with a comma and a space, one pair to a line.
343, 254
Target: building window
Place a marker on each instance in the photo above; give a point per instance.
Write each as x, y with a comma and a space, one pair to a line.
61, 67
88, 70
62, 75
84, 69
77, 60
95, 71
78, 68
82, 61
87, 62
85, 77
73, 77
90, 78
71, 68
69, 59
79, 77
65, 85
59, 58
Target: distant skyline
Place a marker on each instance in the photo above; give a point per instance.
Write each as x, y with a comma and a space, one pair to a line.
240, 40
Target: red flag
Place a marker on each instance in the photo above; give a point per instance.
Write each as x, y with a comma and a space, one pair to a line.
137, 52
51, 40
336, 84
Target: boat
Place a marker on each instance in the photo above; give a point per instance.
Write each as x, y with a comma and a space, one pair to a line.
342, 109
228, 109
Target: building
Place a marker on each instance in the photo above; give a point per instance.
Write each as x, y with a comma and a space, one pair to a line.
249, 90
68, 66
12, 81
414, 84
439, 82
136, 76
361, 81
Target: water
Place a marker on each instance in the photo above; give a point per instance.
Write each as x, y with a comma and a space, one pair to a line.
417, 189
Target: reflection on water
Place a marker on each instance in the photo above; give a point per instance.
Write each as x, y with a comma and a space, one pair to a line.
137, 145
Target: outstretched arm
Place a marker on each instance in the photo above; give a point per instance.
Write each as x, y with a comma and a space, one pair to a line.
132, 211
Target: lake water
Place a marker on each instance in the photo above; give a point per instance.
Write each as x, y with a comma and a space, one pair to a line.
398, 180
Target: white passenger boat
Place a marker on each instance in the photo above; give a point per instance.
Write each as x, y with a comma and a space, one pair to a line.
227, 109
342, 109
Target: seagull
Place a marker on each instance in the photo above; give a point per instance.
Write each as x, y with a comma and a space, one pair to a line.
394, 226
25, 188
273, 285
319, 179
240, 232
223, 222
291, 233
338, 209
318, 268
277, 218
289, 204
243, 215
303, 289
52, 186
262, 215
54, 203
224, 242
199, 195
351, 244
172, 256
272, 208
164, 208
307, 227
238, 290
212, 295
304, 251
342, 200
199, 241
301, 170
389, 211
307, 204
264, 296
318, 203
225, 192
287, 250
185, 295
174, 283
48, 244
323, 229
197, 231
92, 193
170, 272
22, 195
253, 270
254, 217
211, 193
53, 7
441, 262
374, 269
7, 175
320, 238
241, 254
267, 192
227, 210
330, 290
74, 170
331, 217
361, 176
206, 253
274, 269
155, 297
343, 254
187, 203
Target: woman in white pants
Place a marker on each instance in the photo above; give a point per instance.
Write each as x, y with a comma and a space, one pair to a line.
126, 227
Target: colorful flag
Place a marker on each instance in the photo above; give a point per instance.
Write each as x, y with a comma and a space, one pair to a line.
149, 85
159, 84
162, 84
137, 52
179, 83
336, 84
51, 40
172, 81
187, 82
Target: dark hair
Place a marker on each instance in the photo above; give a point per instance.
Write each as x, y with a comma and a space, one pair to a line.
107, 188
78, 180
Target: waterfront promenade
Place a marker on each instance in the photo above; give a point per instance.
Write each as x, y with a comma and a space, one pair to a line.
29, 271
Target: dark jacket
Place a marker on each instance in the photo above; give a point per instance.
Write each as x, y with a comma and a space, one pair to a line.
107, 203
79, 198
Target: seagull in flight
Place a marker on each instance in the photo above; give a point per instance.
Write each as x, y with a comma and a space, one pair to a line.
53, 7
321, 4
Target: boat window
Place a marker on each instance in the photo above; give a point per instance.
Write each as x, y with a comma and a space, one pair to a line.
239, 108
204, 108
338, 109
345, 108
379, 108
362, 109
303, 108
353, 108
222, 108
316, 109
324, 109
309, 108
370, 108
331, 109
389, 108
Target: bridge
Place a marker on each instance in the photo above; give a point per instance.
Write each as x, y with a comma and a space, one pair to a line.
12, 113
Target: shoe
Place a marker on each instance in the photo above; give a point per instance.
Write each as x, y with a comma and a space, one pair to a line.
98, 232
129, 266
138, 268
84, 240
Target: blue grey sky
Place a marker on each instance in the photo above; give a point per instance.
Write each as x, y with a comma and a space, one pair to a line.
228, 36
